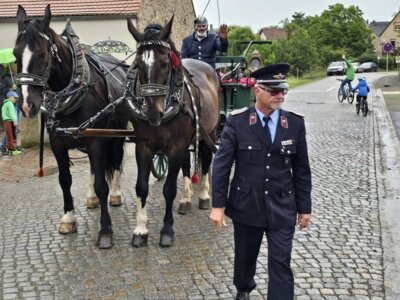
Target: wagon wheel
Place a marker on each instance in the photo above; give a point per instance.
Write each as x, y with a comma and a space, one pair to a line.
159, 167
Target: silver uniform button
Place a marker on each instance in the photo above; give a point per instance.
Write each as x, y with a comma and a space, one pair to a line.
250, 147
288, 151
269, 154
238, 188
266, 192
267, 179
199, 53
290, 192
199, 47
267, 167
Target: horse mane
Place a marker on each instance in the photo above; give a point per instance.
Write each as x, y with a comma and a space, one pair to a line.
151, 34
32, 38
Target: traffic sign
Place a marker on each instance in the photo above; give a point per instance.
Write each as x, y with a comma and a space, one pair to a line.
387, 47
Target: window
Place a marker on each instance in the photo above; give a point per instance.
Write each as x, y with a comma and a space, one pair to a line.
396, 26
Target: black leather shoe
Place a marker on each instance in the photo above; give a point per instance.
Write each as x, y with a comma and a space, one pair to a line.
242, 296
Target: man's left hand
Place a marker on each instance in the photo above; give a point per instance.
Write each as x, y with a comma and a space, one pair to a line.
223, 32
304, 220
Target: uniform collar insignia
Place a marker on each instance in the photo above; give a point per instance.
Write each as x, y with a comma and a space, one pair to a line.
253, 118
284, 122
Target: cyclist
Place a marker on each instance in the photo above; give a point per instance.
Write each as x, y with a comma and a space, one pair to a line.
349, 76
363, 90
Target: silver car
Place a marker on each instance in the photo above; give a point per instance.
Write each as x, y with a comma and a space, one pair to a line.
336, 68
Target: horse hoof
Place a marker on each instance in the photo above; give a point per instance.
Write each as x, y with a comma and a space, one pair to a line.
184, 208
166, 240
204, 203
92, 202
66, 228
139, 240
115, 200
104, 240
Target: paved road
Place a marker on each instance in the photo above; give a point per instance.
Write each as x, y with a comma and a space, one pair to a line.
341, 256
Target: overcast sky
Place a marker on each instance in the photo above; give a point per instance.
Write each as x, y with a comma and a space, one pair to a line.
264, 13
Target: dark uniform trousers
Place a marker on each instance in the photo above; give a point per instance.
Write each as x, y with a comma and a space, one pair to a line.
247, 245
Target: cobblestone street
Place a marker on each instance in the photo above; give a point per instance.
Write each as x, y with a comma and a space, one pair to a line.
341, 255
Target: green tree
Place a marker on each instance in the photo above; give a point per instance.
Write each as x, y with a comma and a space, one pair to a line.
298, 50
342, 29
236, 35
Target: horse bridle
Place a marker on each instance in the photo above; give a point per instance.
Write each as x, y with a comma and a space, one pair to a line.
172, 91
36, 80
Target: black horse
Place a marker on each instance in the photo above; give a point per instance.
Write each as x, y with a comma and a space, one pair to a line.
57, 74
175, 103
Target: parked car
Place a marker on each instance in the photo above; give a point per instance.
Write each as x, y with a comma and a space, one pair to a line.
357, 67
369, 67
336, 67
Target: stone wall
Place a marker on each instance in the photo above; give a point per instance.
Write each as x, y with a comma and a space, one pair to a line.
161, 11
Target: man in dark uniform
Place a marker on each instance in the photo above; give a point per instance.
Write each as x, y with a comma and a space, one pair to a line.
203, 45
271, 186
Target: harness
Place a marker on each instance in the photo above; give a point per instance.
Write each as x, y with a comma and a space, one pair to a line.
71, 97
172, 92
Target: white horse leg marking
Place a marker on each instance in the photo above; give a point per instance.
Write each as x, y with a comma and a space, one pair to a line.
149, 59
91, 193
68, 217
141, 218
115, 186
187, 191
26, 59
205, 187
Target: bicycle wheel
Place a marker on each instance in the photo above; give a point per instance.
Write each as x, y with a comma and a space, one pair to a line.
365, 107
340, 95
350, 96
358, 106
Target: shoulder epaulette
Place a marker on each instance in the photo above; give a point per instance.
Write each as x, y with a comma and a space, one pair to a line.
239, 111
296, 114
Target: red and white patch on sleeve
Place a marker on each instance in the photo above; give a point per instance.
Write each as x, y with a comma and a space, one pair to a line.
284, 122
253, 119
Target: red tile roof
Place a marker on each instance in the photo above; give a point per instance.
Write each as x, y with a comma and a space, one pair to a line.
273, 33
33, 8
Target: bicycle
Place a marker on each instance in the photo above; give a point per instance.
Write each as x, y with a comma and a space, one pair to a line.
362, 105
349, 92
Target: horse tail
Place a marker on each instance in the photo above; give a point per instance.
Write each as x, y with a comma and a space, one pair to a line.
114, 156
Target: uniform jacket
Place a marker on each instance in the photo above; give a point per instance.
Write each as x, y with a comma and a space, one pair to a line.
205, 49
271, 183
362, 87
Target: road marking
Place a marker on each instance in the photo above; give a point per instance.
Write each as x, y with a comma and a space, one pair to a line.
331, 88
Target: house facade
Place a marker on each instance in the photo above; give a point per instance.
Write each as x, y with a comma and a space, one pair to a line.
93, 21
272, 34
386, 32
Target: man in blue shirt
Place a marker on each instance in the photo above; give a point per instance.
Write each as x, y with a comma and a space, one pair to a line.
203, 45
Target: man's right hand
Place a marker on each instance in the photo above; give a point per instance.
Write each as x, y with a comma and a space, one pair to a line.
217, 215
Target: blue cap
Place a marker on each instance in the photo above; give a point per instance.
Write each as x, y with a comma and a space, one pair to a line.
12, 94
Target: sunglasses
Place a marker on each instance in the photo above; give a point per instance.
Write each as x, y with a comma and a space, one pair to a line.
274, 92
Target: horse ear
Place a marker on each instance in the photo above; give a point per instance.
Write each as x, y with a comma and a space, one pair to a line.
166, 31
135, 33
47, 17
21, 17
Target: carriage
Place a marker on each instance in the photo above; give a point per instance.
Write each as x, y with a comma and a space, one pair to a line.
173, 103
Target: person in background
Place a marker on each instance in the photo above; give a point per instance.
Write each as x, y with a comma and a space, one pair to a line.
203, 45
349, 76
10, 122
363, 90
271, 187
7, 84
